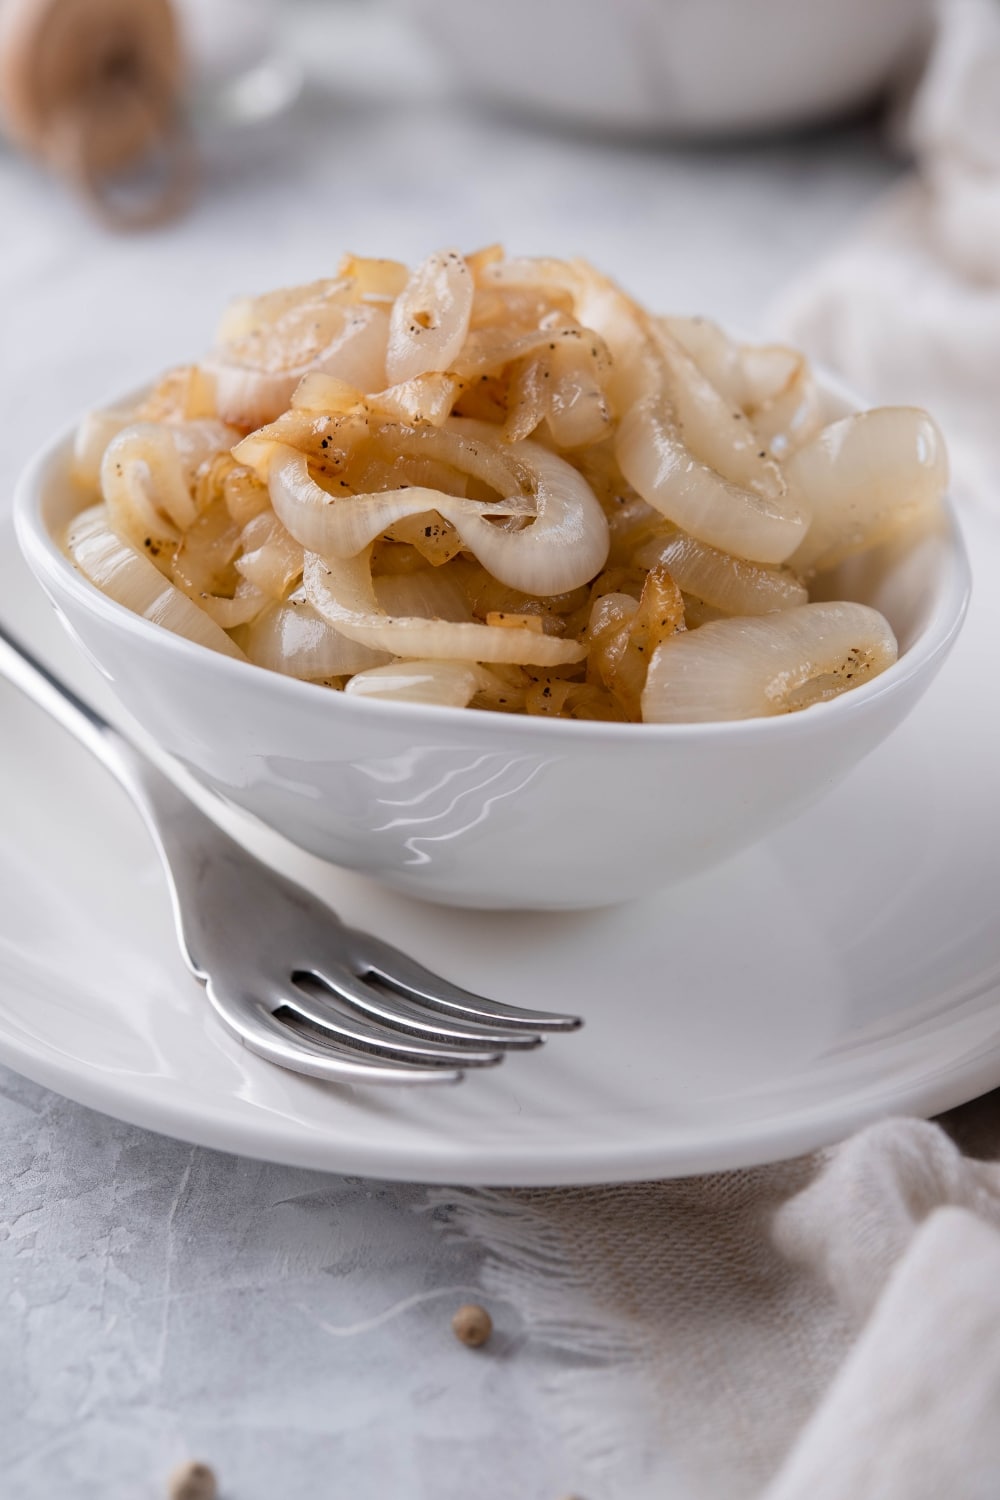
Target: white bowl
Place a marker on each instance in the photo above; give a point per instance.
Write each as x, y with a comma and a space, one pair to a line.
691, 69
491, 810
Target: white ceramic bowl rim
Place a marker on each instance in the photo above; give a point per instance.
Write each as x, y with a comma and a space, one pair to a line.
936, 637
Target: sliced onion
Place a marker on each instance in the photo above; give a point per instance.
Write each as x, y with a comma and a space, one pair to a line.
374, 280
332, 442
471, 449
252, 317
341, 590
431, 593
452, 683
599, 307
92, 438
270, 558
326, 396
292, 638
148, 474
564, 546
527, 398
714, 353
430, 544
426, 399
201, 565
621, 324
865, 478
697, 612
577, 409
245, 605
345, 524
529, 272
357, 356
727, 583
769, 369
430, 318
772, 385
255, 385
131, 579
488, 350
567, 541
715, 430
656, 462
609, 612
775, 664
783, 399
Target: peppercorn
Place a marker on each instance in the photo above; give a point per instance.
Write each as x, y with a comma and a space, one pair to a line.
472, 1325
192, 1481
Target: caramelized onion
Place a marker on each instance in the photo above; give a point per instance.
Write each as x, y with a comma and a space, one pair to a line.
341, 590
563, 545
255, 380
774, 664
294, 639
430, 318
727, 583
504, 484
148, 474
132, 580
452, 683
864, 479
696, 497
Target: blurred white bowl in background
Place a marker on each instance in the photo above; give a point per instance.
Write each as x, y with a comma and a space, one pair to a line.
696, 67
242, 68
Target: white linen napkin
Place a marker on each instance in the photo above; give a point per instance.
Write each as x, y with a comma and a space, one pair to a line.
824, 1329
827, 1329
913, 1412
909, 309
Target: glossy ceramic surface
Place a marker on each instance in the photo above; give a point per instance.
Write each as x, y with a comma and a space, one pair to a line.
493, 810
847, 968
658, 65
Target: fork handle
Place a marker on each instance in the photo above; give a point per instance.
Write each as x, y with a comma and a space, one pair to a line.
20, 667
170, 816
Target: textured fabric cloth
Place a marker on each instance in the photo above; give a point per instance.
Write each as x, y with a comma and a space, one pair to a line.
914, 1410
827, 1329
909, 310
823, 1329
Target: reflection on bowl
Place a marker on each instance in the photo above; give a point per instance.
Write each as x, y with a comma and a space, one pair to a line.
490, 810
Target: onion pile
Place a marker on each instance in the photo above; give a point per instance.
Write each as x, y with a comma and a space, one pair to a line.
503, 484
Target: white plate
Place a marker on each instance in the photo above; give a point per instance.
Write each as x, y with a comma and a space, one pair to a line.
845, 970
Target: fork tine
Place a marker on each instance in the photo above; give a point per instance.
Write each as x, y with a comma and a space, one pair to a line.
404, 1015
254, 1025
376, 1040
404, 975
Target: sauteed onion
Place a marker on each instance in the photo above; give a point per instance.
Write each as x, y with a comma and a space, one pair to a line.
503, 484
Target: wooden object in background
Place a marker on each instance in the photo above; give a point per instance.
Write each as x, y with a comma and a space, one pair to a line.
93, 88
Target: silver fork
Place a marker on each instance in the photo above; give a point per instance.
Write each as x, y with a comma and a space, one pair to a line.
283, 973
